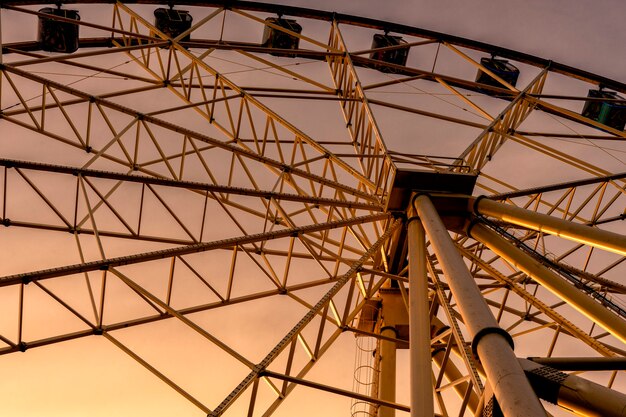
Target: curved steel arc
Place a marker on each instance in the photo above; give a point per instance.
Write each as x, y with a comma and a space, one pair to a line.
343, 18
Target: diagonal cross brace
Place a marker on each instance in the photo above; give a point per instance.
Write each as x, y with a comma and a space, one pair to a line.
273, 354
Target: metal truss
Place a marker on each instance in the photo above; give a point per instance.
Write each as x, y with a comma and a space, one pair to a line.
246, 197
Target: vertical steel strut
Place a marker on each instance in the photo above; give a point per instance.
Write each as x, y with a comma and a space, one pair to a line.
419, 324
491, 343
387, 365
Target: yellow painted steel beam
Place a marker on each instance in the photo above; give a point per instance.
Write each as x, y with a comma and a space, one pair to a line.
452, 373
360, 120
465, 99
422, 404
481, 67
599, 238
338, 391
551, 281
567, 325
490, 342
157, 373
182, 250
482, 149
170, 126
201, 65
572, 115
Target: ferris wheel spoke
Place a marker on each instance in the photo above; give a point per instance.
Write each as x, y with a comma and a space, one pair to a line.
182, 250
296, 331
151, 135
96, 328
142, 119
366, 137
163, 305
249, 107
484, 147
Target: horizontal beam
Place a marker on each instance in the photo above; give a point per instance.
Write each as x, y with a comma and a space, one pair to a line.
334, 390
580, 233
181, 250
93, 330
190, 185
557, 187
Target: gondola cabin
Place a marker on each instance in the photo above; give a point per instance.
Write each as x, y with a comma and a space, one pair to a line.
606, 107
396, 54
173, 22
278, 39
500, 67
55, 35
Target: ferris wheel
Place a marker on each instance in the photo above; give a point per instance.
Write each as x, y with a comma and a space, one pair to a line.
247, 209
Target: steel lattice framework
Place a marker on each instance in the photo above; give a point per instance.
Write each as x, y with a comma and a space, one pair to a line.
228, 214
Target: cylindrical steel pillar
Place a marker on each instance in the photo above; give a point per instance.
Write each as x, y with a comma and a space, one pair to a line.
572, 363
387, 387
490, 342
551, 281
421, 401
577, 232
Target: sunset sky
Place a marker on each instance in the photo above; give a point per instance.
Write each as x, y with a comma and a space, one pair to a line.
91, 376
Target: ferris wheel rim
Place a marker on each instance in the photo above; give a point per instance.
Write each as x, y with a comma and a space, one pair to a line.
366, 22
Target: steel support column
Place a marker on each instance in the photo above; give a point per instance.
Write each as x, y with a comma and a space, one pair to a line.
551, 281
577, 232
491, 343
422, 404
387, 389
